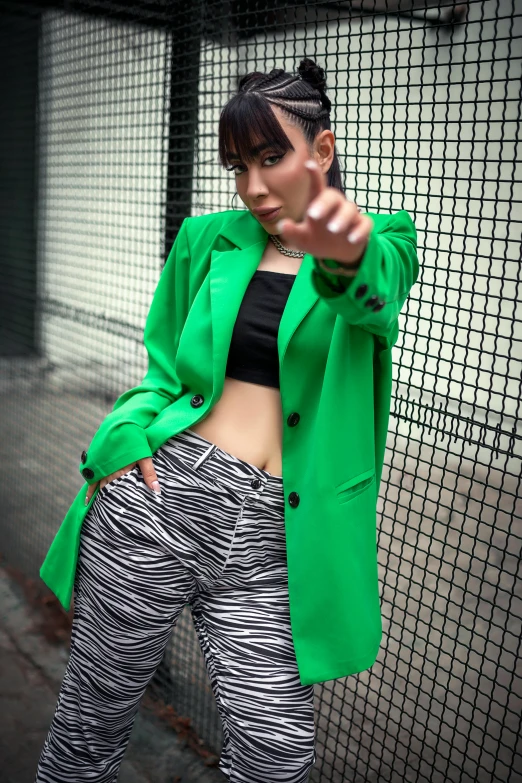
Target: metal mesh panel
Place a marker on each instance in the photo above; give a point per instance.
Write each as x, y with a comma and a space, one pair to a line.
109, 127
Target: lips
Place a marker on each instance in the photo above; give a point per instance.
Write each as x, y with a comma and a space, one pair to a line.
268, 215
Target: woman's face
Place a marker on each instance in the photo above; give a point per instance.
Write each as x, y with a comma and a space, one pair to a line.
275, 181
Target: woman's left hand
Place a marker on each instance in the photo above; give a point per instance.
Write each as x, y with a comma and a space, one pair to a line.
346, 241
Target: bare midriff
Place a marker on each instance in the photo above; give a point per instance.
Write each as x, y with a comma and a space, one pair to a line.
247, 420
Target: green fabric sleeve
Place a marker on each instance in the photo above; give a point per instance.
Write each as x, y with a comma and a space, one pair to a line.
387, 271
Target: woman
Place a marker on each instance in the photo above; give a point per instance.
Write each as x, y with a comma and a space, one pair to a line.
241, 476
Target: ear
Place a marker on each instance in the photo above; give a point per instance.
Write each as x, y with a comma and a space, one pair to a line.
324, 149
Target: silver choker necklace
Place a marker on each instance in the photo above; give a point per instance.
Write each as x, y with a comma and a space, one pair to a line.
284, 250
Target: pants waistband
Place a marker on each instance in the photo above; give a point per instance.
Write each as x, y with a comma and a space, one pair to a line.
216, 463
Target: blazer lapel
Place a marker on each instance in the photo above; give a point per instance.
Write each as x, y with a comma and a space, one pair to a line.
230, 273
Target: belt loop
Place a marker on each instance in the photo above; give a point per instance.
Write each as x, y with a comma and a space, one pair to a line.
204, 456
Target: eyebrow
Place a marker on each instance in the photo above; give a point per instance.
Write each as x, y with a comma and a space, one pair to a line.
254, 151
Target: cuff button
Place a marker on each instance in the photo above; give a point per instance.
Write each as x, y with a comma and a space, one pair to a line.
379, 306
361, 291
84, 457
371, 301
88, 473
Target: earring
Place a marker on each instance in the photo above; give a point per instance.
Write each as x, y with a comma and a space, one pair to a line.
235, 194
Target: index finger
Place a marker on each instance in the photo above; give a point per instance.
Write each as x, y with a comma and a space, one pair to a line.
318, 179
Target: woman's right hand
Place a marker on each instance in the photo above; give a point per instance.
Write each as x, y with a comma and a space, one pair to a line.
147, 471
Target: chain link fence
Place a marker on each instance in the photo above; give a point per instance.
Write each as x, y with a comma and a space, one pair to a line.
109, 139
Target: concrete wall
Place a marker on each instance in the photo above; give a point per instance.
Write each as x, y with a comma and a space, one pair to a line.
102, 148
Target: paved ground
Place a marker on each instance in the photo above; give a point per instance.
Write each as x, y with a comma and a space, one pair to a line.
31, 670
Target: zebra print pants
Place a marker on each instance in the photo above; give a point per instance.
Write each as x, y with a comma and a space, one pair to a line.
215, 539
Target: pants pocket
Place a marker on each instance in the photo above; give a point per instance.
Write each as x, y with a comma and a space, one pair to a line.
116, 481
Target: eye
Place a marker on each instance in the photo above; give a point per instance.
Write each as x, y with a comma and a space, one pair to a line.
273, 157
270, 157
231, 168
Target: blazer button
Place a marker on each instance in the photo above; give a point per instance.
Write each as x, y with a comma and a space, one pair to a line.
87, 473
197, 400
293, 419
255, 483
379, 306
361, 291
371, 301
84, 457
293, 499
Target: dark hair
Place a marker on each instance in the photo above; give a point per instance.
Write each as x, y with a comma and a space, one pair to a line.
247, 117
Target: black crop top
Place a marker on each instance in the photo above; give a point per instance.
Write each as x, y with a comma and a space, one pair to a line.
253, 352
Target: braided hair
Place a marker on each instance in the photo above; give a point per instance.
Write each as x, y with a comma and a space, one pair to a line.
246, 117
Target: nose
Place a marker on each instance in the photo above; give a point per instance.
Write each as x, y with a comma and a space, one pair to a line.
256, 186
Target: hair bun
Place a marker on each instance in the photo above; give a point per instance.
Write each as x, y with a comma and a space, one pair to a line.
312, 73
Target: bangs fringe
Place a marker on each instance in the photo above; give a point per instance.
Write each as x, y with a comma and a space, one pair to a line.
246, 120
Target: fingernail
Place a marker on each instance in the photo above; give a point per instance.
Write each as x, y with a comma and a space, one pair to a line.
156, 487
354, 237
334, 226
280, 226
86, 501
310, 164
314, 212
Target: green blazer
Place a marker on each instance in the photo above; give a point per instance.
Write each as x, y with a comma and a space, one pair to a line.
335, 352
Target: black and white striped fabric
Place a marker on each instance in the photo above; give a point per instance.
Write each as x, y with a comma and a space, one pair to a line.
213, 538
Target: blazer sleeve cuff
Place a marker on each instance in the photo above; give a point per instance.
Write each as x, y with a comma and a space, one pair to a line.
359, 292
92, 467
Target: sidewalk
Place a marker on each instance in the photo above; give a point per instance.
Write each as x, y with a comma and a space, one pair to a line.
31, 670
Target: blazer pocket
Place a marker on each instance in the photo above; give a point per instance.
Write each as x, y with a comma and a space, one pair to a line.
354, 486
